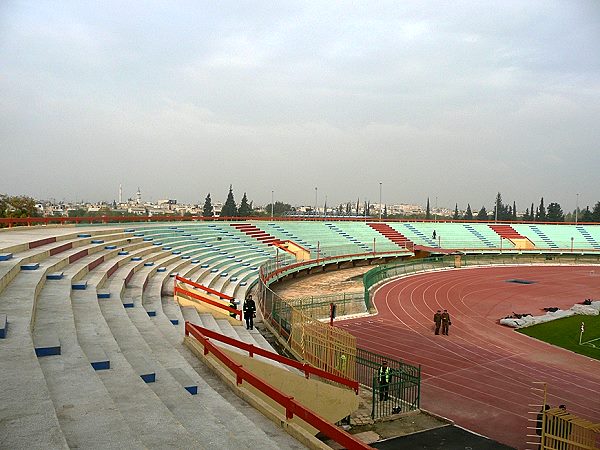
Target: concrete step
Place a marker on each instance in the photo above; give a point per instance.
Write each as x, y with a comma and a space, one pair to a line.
27, 415
86, 413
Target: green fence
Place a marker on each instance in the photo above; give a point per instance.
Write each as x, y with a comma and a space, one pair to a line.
401, 394
318, 306
385, 271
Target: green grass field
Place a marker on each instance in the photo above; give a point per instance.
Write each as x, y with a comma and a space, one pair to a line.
565, 333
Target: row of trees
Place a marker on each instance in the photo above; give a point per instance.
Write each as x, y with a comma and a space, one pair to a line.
541, 213
230, 209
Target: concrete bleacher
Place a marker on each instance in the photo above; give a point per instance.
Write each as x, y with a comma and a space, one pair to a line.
91, 394
108, 376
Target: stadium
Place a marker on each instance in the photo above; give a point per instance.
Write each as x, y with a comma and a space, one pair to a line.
128, 332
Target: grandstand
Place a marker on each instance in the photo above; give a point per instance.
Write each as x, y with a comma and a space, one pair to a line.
91, 342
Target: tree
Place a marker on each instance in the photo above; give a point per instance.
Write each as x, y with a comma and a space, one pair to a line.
531, 214
498, 207
514, 211
596, 213
229, 208
455, 217
428, 210
555, 213
468, 213
208, 210
482, 214
385, 215
586, 215
279, 208
541, 212
245, 209
17, 206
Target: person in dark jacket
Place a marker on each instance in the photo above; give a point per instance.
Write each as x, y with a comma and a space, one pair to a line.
437, 319
249, 312
445, 322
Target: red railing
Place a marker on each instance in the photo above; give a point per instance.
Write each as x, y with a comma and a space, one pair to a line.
11, 221
292, 407
253, 350
204, 288
210, 301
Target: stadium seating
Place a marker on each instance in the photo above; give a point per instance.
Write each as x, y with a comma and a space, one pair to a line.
91, 350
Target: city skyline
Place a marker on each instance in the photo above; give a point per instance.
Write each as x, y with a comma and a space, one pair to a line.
429, 99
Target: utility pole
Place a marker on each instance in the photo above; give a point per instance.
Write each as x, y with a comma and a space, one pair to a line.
380, 183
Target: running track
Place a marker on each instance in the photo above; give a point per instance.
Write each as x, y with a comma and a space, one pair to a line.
480, 376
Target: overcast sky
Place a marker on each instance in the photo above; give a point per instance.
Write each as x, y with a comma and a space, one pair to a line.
455, 100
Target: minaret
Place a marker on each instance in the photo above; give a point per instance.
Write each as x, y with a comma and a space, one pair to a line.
138, 199
120, 194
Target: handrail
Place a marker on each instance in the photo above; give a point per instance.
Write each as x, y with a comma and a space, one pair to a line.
291, 405
253, 350
10, 221
284, 268
210, 301
204, 288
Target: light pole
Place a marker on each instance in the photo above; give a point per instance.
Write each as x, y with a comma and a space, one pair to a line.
576, 209
435, 213
316, 196
272, 202
380, 183
572, 243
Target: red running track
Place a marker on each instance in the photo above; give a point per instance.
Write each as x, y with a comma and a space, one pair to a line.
482, 374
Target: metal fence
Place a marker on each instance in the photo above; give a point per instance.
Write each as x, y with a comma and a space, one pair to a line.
318, 306
401, 394
326, 347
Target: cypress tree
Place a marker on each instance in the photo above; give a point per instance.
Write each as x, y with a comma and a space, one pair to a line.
541, 215
482, 214
455, 217
208, 211
428, 210
468, 213
245, 209
229, 208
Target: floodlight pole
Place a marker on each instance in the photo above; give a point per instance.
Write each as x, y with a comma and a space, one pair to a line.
576, 209
316, 196
272, 202
380, 183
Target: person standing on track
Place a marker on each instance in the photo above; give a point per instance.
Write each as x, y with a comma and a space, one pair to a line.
437, 319
445, 322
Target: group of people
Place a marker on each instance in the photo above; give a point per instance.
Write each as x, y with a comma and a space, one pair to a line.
442, 320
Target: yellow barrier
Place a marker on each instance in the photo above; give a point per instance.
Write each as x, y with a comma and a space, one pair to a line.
326, 347
565, 431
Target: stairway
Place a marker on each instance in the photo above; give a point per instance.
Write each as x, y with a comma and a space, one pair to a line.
481, 237
543, 237
255, 232
512, 235
507, 232
588, 237
393, 235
